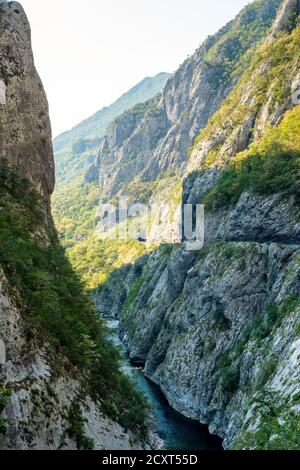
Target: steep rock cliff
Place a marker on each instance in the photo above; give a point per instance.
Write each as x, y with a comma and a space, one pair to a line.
160, 139
38, 414
51, 372
24, 119
218, 329
77, 148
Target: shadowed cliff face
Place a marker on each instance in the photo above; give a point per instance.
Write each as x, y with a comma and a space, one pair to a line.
25, 130
46, 394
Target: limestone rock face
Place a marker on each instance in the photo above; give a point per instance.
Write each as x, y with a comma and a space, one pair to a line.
286, 17
258, 219
37, 411
218, 330
222, 295
128, 146
25, 129
143, 144
203, 337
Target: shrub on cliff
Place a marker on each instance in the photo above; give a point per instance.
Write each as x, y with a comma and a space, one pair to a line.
270, 166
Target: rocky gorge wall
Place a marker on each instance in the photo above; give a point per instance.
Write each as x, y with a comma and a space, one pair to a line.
218, 329
222, 338
38, 410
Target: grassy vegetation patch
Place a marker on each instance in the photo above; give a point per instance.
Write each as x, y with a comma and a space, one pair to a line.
5, 394
278, 60
264, 324
233, 51
270, 166
279, 430
133, 293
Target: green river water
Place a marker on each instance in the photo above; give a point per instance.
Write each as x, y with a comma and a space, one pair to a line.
177, 432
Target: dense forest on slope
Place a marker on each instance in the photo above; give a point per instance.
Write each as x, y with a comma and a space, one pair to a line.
271, 165
75, 200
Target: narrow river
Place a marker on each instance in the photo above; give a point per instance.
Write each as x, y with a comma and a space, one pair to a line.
177, 432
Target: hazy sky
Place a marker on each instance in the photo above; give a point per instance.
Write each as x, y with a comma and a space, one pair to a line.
90, 52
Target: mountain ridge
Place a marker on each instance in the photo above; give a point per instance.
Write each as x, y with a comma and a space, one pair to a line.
142, 91
142, 147
191, 96
78, 148
216, 329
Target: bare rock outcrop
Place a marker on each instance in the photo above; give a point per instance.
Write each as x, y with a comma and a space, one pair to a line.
141, 146
222, 339
37, 403
25, 129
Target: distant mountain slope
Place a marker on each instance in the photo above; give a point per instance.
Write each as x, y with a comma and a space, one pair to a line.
152, 140
79, 146
74, 204
95, 126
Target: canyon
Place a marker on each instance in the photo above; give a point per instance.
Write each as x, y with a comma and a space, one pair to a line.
216, 329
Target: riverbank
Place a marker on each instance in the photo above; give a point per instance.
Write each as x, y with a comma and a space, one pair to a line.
176, 431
